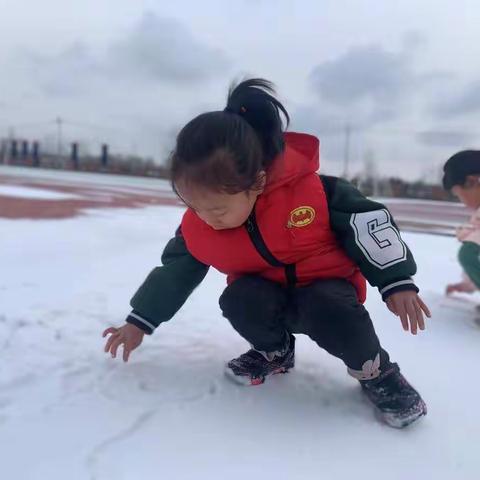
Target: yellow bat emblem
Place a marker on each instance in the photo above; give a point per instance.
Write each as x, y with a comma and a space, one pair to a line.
301, 217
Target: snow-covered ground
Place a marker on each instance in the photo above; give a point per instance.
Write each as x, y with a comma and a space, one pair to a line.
66, 177
68, 411
33, 193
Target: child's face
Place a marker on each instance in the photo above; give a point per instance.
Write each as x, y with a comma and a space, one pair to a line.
469, 194
219, 210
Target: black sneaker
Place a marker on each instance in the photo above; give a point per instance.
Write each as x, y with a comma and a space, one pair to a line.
252, 367
398, 403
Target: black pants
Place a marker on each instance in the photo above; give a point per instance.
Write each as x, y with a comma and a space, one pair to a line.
328, 311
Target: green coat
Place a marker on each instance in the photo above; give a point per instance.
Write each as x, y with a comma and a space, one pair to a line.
364, 228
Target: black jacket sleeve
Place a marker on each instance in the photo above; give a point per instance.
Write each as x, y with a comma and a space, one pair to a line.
369, 235
167, 287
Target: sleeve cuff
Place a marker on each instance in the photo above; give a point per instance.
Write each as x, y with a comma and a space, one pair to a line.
142, 323
399, 286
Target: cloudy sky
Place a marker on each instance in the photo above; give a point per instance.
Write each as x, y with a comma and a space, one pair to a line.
403, 79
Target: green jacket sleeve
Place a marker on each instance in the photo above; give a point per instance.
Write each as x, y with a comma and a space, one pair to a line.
369, 235
167, 287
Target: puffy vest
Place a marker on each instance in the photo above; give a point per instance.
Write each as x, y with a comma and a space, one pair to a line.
287, 238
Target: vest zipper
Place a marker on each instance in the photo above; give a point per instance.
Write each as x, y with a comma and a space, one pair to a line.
261, 247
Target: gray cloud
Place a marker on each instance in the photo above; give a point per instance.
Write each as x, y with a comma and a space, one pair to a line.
373, 84
67, 73
156, 50
363, 73
161, 49
459, 104
316, 121
436, 138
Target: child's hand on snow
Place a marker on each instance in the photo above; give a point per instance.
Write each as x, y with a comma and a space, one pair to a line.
130, 335
464, 287
410, 308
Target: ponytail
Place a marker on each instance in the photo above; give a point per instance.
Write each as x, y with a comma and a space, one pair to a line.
254, 101
227, 150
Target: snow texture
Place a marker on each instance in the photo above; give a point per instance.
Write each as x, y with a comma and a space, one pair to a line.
69, 411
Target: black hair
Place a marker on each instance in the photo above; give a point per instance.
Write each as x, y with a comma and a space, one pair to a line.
226, 150
459, 166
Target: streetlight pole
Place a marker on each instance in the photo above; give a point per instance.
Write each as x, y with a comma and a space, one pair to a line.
346, 152
59, 122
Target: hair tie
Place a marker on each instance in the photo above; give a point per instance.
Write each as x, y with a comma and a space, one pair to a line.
240, 111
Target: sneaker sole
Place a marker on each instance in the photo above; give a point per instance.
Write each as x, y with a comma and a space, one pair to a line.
247, 381
403, 420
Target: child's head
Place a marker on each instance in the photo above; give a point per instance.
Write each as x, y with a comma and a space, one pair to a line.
219, 162
462, 177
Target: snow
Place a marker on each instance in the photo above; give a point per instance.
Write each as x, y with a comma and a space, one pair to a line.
415, 201
69, 411
35, 193
76, 179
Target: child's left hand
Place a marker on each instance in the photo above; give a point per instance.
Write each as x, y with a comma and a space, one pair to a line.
409, 307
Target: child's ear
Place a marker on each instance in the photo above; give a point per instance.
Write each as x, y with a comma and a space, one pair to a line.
261, 180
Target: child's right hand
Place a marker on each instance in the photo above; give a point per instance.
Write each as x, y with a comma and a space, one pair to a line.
130, 335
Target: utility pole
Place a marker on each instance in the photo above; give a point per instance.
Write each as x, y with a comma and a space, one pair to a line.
59, 122
346, 151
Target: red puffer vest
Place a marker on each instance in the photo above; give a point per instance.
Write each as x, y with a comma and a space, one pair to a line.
287, 238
